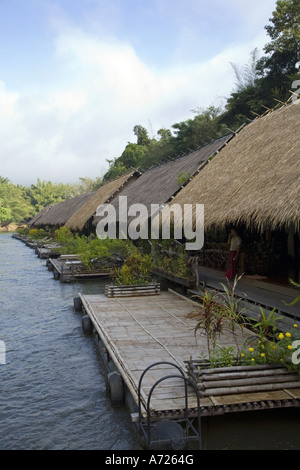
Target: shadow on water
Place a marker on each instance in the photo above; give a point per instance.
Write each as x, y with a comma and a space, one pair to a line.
53, 389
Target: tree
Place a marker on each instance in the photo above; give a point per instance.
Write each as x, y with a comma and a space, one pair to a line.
197, 132
14, 204
46, 193
142, 135
246, 75
285, 36
280, 67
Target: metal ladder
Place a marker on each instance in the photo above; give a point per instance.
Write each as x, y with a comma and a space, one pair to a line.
188, 430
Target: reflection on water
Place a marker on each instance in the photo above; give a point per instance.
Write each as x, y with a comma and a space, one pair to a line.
52, 387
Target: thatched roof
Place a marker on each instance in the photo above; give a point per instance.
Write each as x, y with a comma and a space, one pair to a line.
158, 185
79, 218
57, 215
34, 220
255, 179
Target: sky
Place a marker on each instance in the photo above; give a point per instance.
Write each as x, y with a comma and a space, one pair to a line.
76, 76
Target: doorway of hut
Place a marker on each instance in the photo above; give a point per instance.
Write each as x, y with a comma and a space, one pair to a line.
271, 256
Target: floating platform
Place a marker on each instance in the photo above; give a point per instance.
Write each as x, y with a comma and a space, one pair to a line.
139, 331
68, 268
48, 251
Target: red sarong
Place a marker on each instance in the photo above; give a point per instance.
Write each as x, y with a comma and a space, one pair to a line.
231, 265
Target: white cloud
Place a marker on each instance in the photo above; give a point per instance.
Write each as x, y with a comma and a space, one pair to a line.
70, 128
7, 104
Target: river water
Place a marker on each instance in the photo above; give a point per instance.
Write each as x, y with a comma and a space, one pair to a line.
52, 384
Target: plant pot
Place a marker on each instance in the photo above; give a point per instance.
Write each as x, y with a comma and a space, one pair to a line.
240, 379
152, 288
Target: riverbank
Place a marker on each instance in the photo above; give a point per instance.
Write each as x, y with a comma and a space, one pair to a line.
12, 227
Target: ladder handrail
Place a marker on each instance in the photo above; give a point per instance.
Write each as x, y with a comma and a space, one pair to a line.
186, 382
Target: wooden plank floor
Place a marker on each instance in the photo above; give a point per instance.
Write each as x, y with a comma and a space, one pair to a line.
139, 331
255, 291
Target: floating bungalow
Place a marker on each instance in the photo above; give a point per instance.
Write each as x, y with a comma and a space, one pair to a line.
253, 184
159, 185
81, 220
75, 213
57, 215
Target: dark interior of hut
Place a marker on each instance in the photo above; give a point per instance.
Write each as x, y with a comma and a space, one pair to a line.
268, 255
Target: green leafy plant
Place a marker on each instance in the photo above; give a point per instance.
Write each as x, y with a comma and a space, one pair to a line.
37, 234
170, 256
267, 324
23, 231
183, 177
232, 309
209, 318
137, 269
276, 351
223, 356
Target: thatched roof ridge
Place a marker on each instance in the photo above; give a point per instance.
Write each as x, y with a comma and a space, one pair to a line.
158, 185
58, 214
256, 178
79, 218
34, 219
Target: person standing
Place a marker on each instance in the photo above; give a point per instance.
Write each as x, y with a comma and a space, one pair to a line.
234, 242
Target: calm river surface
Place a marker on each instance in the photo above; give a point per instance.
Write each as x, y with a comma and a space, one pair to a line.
52, 387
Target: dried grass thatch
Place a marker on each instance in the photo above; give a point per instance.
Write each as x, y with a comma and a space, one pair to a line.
57, 215
34, 220
79, 219
255, 179
158, 185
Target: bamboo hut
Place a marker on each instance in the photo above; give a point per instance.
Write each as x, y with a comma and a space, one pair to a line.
254, 182
160, 184
34, 221
57, 215
81, 219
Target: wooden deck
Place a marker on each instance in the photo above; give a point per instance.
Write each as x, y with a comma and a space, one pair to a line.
139, 331
255, 293
71, 269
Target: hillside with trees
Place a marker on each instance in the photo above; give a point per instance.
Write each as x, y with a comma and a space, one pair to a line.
260, 84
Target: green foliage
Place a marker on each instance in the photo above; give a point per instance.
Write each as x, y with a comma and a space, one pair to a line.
170, 256
284, 32
136, 269
223, 357
90, 249
209, 318
267, 324
266, 346
23, 231
231, 308
37, 234
96, 249
14, 204
183, 177
276, 351
63, 235
46, 193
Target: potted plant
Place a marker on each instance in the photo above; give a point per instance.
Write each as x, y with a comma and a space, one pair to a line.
133, 277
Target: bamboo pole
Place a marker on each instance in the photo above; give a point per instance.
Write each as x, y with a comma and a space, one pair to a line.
248, 381
245, 375
248, 389
241, 368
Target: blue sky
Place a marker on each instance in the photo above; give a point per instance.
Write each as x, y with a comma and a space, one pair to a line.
77, 75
